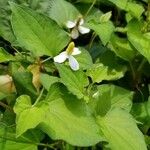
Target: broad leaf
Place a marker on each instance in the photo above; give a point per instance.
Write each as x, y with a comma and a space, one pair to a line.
57, 118
74, 81
122, 48
121, 131
36, 32
62, 11
69, 119
139, 40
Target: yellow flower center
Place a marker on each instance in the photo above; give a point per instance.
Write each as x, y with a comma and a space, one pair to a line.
70, 48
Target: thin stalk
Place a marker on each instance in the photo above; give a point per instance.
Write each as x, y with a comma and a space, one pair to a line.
6, 106
94, 1
141, 65
46, 60
39, 97
92, 40
132, 70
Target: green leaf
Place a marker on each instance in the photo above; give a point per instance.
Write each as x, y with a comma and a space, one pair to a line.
48, 80
23, 83
74, 81
141, 111
8, 140
55, 91
105, 17
121, 131
122, 48
121, 4
101, 101
106, 69
69, 119
36, 32
84, 59
4, 56
111, 96
57, 119
139, 40
103, 30
5, 27
27, 116
62, 11
134, 9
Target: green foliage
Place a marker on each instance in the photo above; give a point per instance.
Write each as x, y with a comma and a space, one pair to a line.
123, 134
84, 93
4, 56
139, 40
37, 33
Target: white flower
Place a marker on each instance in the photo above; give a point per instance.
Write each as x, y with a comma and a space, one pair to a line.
77, 28
68, 54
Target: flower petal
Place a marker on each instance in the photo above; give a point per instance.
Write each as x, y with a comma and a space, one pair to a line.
70, 24
76, 51
74, 33
81, 21
83, 30
73, 63
61, 57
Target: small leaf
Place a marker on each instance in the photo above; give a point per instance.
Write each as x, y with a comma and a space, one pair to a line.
4, 56
74, 81
27, 116
106, 69
105, 17
121, 131
36, 32
103, 30
134, 9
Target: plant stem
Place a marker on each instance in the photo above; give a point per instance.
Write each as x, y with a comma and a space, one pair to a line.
92, 39
132, 69
94, 1
39, 97
6, 106
141, 65
46, 60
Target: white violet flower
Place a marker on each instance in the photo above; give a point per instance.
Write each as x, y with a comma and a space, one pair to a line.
68, 54
76, 27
